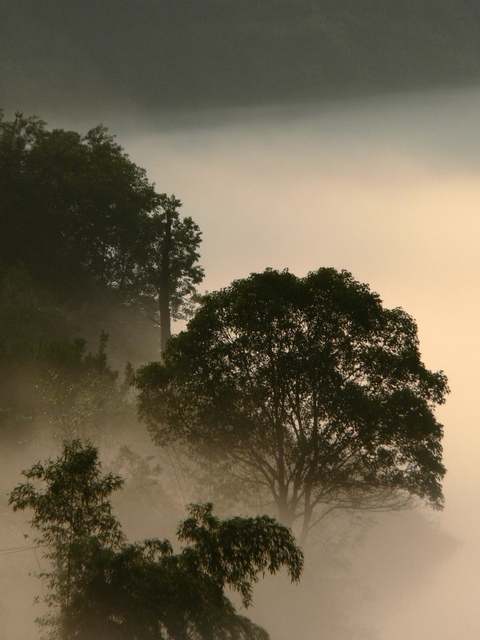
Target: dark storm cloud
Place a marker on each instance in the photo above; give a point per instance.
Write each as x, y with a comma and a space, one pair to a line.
164, 54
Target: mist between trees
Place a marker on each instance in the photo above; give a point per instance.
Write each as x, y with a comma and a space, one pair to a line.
300, 402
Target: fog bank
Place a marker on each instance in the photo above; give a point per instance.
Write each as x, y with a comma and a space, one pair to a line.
387, 189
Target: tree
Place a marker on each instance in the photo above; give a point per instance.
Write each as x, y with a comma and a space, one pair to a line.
79, 392
47, 376
102, 587
163, 281
70, 204
82, 218
71, 513
307, 389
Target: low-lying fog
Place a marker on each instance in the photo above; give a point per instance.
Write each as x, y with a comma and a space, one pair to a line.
388, 189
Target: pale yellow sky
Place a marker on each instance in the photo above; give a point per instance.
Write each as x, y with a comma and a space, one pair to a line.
388, 189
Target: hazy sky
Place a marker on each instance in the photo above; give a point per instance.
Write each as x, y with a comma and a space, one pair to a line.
388, 189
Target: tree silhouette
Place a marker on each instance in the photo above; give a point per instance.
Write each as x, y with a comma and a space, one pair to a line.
82, 219
166, 268
308, 390
100, 586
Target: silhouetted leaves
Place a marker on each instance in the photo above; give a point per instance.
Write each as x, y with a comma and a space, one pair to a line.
83, 221
99, 586
309, 388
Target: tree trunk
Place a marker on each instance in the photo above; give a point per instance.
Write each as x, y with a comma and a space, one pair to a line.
164, 309
164, 289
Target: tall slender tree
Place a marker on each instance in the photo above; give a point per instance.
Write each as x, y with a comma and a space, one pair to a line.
166, 271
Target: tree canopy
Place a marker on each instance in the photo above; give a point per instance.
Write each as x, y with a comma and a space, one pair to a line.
100, 586
81, 217
70, 203
308, 389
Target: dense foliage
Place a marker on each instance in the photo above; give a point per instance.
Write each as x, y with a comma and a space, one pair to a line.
49, 381
100, 586
70, 204
84, 222
87, 248
308, 389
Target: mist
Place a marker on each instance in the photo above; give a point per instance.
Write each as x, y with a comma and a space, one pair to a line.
386, 188
329, 140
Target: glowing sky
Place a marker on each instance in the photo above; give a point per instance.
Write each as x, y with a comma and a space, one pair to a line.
388, 189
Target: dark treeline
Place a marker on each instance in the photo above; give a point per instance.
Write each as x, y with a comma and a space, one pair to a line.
191, 53
88, 248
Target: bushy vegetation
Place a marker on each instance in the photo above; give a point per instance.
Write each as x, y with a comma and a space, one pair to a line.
306, 392
88, 248
101, 586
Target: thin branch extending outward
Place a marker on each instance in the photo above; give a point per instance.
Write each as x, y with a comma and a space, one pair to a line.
317, 521
258, 463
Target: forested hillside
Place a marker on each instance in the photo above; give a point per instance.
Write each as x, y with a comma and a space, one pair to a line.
88, 251
298, 398
158, 54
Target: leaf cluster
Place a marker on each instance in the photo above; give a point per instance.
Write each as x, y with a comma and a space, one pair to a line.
308, 384
101, 586
70, 203
82, 219
73, 503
